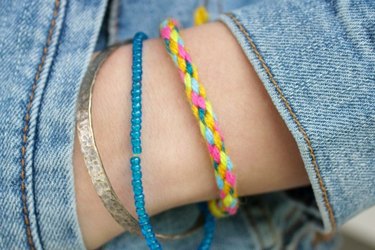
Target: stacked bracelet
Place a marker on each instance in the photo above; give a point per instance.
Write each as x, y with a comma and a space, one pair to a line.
90, 152
135, 160
135, 134
93, 160
202, 110
96, 170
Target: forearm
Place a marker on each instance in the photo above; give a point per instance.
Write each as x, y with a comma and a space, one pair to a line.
176, 165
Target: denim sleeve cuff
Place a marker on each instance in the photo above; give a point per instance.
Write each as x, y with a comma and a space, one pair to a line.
316, 61
46, 47
68, 56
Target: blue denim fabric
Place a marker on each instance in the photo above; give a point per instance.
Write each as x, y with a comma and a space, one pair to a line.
317, 62
315, 58
44, 51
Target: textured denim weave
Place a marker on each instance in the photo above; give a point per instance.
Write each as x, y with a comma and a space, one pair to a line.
317, 62
42, 44
315, 58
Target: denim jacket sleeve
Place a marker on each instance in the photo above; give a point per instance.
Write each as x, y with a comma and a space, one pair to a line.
45, 47
316, 59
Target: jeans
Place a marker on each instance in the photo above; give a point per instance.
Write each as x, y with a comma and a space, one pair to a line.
316, 59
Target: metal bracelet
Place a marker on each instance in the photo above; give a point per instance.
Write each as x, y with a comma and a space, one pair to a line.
93, 160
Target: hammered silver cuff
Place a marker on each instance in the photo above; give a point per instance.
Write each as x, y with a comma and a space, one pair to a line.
93, 160
90, 151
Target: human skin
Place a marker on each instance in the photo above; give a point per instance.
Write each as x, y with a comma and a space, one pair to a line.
175, 162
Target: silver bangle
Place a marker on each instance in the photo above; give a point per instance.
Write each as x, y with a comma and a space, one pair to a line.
90, 151
93, 160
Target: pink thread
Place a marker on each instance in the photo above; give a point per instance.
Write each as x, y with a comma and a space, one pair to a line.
214, 153
165, 32
222, 194
201, 102
229, 177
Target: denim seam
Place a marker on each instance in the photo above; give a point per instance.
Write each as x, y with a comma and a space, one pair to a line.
25, 129
294, 117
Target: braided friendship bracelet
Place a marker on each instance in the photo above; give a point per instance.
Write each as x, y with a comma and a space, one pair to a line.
135, 160
202, 110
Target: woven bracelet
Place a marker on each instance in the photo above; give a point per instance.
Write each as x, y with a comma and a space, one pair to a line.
203, 112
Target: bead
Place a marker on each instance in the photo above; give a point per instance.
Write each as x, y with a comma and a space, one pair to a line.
143, 217
141, 210
137, 84
136, 78
136, 98
137, 106
136, 92
136, 141
140, 204
143, 222
151, 241
137, 150
135, 134
145, 230
137, 59
137, 54
136, 183
140, 196
137, 67
136, 121
135, 167
137, 175
135, 160
137, 114
136, 127
138, 190
156, 247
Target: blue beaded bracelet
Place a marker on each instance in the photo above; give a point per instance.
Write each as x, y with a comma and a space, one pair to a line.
135, 160
135, 136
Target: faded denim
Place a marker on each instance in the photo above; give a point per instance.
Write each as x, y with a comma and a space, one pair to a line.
315, 58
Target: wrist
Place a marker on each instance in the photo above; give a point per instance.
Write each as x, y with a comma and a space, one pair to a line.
167, 181
167, 184
175, 162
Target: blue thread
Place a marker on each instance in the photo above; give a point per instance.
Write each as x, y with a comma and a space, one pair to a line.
220, 182
209, 136
202, 114
194, 85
